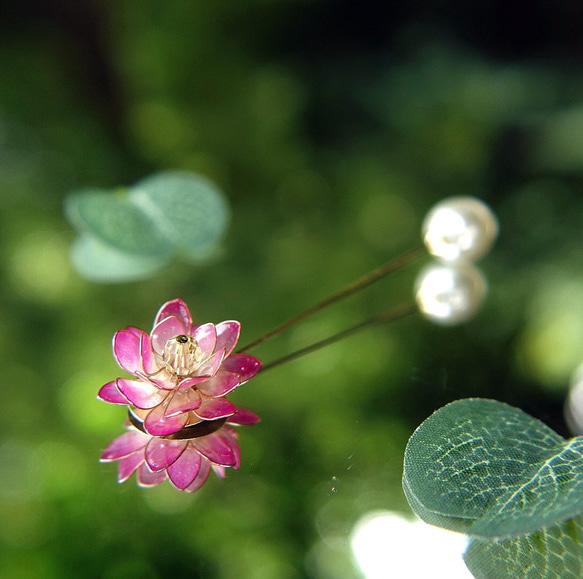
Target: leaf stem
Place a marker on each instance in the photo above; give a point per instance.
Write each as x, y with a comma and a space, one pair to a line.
393, 265
396, 313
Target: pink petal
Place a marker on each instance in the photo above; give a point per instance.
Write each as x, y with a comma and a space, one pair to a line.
217, 448
158, 424
243, 364
244, 416
161, 453
140, 393
190, 382
124, 445
149, 363
200, 477
110, 393
134, 331
176, 308
227, 335
128, 465
183, 401
211, 365
163, 331
184, 470
147, 478
222, 383
164, 380
206, 338
126, 350
219, 470
237, 451
212, 408
231, 435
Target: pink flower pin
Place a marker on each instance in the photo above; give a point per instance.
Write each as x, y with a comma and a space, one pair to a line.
182, 371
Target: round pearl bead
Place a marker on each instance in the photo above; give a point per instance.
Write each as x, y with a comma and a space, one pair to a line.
450, 294
574, 403
460, 228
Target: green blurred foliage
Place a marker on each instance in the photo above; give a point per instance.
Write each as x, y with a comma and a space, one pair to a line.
331, 129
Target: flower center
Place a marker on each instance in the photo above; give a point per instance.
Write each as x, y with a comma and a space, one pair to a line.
182, 355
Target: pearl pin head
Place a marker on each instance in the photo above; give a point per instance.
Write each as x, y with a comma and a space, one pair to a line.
460, 229
450, 294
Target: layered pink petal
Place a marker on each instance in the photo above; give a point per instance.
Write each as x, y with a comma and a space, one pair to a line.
110, 393
126, 350
124, 445
243, 364
158, 424
128, 465
206, 338
227, 335
211, 365
217, 448
219, 385
140, 393
148, 478
201, 477
184, 470
163, 331
183, 401
244, 417
161, 453
213, 408
176, 308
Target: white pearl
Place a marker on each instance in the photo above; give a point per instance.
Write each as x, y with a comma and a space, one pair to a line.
574, 403
460, 228
450, 294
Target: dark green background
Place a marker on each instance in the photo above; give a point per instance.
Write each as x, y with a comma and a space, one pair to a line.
332, 127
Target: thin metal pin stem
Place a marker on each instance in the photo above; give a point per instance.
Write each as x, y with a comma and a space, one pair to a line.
392, 315
393, 265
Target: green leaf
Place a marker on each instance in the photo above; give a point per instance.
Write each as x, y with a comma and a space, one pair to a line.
96, 261
129, 234
488, 469
188, 210
459, 524
115, 220
551, 553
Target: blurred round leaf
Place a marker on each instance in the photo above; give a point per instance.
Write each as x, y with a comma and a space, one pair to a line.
114, 219
96, 261
130, 234
188, 210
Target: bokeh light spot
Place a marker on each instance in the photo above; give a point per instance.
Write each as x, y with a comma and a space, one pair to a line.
386, 544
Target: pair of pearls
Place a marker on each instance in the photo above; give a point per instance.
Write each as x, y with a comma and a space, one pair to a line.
457, 231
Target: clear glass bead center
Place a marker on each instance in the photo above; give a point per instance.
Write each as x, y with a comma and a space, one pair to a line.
182, 355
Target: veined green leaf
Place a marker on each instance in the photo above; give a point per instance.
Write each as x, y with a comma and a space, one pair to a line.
554, 552
488, 469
